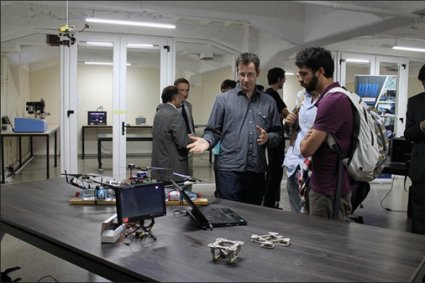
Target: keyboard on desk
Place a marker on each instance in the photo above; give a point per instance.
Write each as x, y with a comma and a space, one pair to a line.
218, 216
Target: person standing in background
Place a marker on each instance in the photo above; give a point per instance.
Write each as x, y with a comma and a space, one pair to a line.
301, 120
169, 137
415, 131
276, 79
183, 88
227, 84
246, 121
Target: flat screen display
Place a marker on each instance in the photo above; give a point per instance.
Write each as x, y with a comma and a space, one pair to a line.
96, 118
369, 88
140, 201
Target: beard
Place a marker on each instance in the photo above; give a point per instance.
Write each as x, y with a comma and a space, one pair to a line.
312, 85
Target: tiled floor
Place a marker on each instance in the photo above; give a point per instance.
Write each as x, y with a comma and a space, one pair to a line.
385, 206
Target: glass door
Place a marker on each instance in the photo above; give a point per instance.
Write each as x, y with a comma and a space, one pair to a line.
143, 94
146, 68
393, 103
95, 91
352, 64
103, 87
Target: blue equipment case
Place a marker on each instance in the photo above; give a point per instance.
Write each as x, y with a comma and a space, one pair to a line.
30, 125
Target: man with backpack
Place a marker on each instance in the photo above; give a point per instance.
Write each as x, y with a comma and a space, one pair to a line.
334, 117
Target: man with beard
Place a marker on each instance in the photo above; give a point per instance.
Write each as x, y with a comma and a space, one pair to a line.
334, 117
246, 121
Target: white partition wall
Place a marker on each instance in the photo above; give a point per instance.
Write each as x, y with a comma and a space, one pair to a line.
115, 93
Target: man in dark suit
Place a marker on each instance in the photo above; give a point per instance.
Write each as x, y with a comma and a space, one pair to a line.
169, 136
183, 88
415, 131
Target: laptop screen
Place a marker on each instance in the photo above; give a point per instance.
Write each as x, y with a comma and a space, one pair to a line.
197, 213
139, 202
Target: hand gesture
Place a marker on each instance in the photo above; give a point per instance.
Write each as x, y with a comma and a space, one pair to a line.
198, 145
263, 137
291, 118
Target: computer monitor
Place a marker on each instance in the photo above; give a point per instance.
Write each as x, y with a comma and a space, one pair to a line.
369, 88
96, 118
139, 202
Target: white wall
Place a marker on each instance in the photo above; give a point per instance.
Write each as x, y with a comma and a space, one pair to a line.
414, 85
15, 84
95, 89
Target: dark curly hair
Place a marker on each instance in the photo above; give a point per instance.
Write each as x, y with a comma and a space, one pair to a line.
421, 75
274, 74
314, 58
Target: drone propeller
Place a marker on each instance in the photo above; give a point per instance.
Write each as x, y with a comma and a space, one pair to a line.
79, 175
167, 172
107, 185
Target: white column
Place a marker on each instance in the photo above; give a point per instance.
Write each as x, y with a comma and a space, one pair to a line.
68, 104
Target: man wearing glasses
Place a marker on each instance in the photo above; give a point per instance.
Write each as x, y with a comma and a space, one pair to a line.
246, 121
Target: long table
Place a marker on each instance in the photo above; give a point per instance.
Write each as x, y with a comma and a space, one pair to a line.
108, 137
51, 130
320, 250
103, 127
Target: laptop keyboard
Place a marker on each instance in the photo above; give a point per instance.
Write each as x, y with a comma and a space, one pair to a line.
218, 215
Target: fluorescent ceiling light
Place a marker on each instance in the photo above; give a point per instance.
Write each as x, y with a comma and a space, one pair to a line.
109, 44
96, 43
101, 63
350, 60
289, 74
405, 48
135, 45
130, 23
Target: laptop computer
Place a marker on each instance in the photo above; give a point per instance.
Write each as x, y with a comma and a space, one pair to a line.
207, 217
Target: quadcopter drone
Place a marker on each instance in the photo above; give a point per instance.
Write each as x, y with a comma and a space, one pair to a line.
92, 185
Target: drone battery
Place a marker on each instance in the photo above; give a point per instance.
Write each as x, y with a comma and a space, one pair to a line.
30, 125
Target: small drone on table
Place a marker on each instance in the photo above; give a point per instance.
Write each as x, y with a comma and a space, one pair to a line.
92, 185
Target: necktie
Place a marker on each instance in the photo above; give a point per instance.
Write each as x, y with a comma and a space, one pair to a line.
186, 120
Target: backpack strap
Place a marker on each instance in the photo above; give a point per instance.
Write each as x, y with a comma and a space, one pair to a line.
335, 148
356, 123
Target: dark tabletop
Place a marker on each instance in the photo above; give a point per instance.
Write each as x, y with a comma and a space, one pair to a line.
320, 250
